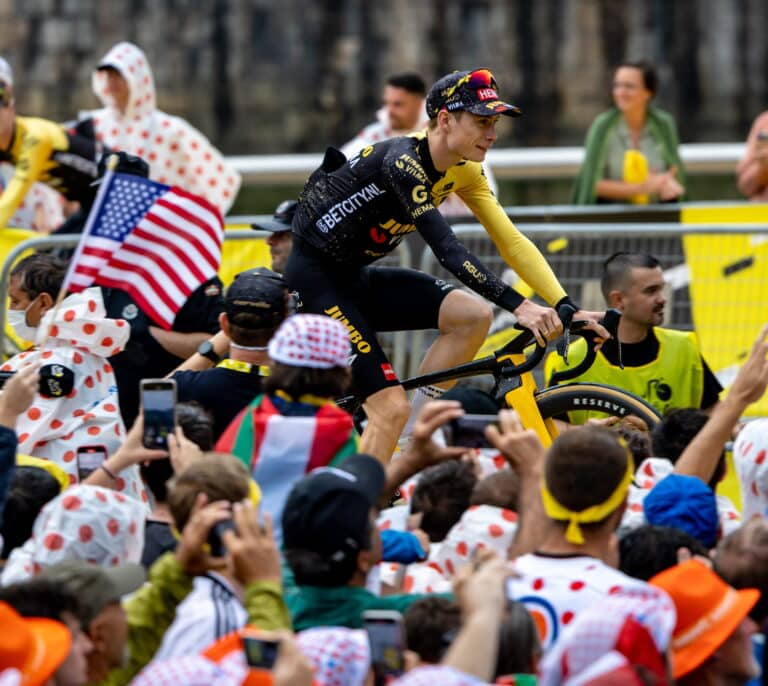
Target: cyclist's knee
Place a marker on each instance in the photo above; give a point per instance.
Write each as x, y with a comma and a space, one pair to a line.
462, 310
389, 405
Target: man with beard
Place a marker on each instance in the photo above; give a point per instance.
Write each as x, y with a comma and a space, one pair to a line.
663, 366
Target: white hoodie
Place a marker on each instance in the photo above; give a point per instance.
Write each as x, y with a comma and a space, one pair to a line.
177, 153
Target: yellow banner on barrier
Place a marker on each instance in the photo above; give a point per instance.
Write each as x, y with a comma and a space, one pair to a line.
237, 256
728, 274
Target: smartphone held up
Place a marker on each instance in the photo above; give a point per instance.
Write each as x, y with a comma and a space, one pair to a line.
158, 401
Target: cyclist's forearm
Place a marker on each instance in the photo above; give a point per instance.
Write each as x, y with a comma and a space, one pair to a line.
520, 253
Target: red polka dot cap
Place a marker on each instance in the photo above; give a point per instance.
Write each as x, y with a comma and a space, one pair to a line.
341, 657
311, 340
87, 523
191, 670
750, 457
434, 676
481, 526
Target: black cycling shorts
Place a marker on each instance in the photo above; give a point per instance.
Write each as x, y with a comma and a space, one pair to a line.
366, 300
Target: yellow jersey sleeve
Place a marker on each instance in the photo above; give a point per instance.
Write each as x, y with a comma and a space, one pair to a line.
31, 153
517, 251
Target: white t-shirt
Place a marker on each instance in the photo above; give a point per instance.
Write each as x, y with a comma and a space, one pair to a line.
210, 611
554, 589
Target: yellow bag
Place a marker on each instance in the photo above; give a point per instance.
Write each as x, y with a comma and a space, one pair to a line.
636, 171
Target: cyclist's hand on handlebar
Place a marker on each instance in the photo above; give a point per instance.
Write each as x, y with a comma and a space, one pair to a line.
542, 322
520, 447
593, 323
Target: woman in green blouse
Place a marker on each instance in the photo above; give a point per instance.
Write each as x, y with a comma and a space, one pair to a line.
631, 150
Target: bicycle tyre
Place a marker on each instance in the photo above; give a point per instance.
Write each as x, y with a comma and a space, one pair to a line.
558, 400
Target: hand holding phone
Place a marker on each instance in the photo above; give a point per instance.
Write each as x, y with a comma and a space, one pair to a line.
89, 459
387, 639
158, 401
469, 431
260, 653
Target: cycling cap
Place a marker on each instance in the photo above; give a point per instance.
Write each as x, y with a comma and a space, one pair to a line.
311, 340
470, 91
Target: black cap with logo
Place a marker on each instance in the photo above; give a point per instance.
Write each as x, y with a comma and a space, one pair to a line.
468, 91
258, 291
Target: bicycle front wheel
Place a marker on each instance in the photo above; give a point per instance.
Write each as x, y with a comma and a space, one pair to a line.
594, 397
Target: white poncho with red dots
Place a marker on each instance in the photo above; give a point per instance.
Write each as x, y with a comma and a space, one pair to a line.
80, 338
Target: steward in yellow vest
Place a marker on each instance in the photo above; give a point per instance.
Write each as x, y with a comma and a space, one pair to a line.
672, 378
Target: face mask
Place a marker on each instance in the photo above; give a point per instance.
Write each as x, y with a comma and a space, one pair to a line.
18, 321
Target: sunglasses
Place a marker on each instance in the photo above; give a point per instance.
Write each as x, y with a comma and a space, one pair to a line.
481, 78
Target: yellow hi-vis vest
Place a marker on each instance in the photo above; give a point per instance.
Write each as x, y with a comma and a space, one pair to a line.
674, 379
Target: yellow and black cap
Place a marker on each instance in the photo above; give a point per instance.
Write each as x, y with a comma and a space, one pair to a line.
468, 91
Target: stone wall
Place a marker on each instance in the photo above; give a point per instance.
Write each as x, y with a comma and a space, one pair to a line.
263, 76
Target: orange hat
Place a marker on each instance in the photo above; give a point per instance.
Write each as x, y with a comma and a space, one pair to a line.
708, 612
34, 646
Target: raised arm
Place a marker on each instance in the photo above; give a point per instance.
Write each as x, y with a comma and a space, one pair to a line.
701, 456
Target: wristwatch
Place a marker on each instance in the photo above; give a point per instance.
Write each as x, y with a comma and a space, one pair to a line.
206, 350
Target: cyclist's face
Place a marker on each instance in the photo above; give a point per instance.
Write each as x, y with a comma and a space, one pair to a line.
471, 135
403, 108
643, 301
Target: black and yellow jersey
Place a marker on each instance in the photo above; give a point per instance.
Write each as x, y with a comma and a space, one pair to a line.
45, 151
357, 211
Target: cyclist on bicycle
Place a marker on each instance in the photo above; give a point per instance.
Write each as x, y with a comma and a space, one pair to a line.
353, 212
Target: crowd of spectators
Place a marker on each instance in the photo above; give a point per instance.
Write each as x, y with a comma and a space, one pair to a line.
605, 558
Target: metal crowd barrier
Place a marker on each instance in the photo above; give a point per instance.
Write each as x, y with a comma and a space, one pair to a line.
394, 343
717, 276
506, 163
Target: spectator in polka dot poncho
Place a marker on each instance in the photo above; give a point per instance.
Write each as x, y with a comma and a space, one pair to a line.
177, 153
73, 342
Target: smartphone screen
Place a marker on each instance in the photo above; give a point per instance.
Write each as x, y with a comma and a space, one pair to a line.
260, 653
385, 635
89, 459
469, 431
158, 400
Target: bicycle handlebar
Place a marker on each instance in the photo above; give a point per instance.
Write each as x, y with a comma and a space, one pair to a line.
499, 363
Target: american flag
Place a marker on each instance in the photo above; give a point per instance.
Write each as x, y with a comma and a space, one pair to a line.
155, 242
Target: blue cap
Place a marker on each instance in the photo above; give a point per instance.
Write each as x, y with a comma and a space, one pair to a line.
685, 503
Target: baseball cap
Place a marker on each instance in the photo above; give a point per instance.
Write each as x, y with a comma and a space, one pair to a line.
96, 587
36, 647
327, 512
708, 612
470, 91
258, 291
686, 503
311, 340
281, 219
